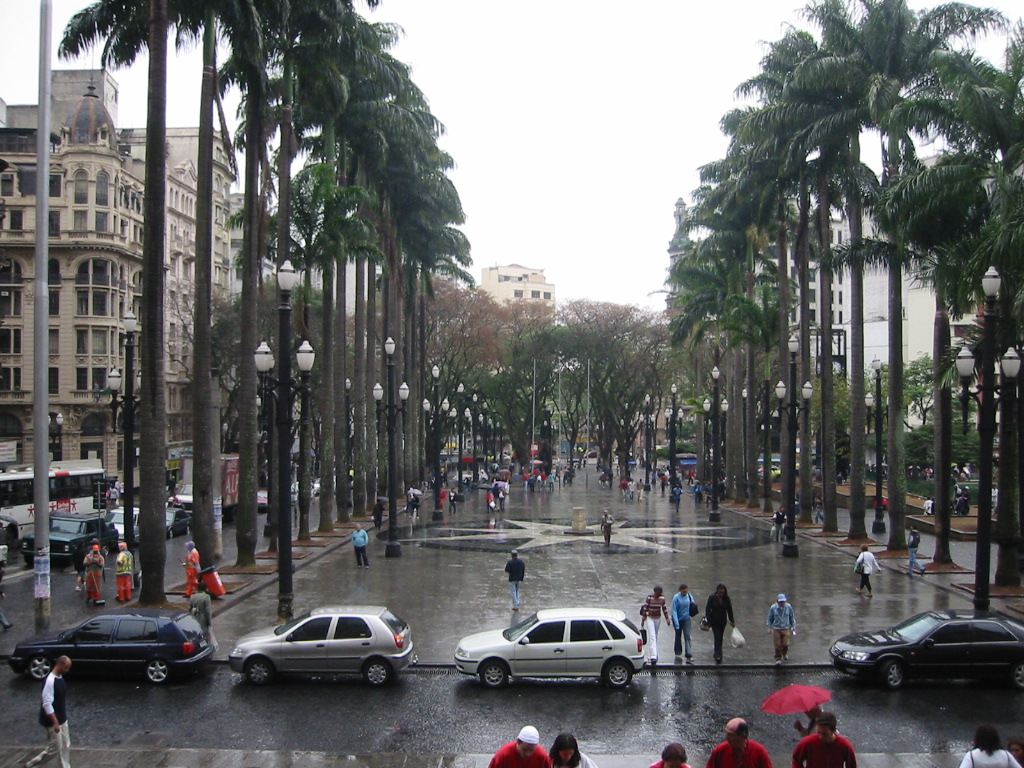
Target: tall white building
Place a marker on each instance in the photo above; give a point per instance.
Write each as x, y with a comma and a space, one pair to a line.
516, 283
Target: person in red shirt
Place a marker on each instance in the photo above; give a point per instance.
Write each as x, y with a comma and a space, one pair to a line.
524, 752
738, 750
824, 748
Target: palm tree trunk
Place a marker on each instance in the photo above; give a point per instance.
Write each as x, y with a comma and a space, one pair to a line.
153, 404
361, 375
328, 399
943, 503
342, 427
858, 414
827, 424
1007, 527
373, 349
805, 482
204, 432
896, 475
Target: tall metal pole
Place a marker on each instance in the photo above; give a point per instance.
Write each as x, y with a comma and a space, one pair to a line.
789, 547
647, 443
987, 432
878, 525
714, 516
460, 390
744, 464
394, 546
672, 440
286, 281
129, 431
40, 326
349, 482
436, 426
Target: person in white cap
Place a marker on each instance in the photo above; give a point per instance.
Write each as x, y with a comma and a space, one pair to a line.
782, 626
524, 752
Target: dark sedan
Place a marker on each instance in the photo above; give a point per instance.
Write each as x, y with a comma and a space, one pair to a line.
936, 644
156, 643
179, 521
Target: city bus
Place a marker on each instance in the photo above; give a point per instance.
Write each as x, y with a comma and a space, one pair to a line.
75, 486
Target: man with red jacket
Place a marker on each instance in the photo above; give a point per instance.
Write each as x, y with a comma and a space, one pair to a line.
739, 750
524, 752
824, 748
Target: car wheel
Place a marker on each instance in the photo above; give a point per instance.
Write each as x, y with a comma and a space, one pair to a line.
1017, 674
377, 672
259, 671
39, 667
893, 674
157, 671
494, 673
617, 673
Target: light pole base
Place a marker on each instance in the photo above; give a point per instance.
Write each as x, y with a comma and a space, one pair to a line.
714, 516
790, 549
438, 515
878, 526
284, 608
393, 549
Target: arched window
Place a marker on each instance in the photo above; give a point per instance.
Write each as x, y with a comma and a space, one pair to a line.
81, 187
10, 273
10, 425
102, 189
94, 425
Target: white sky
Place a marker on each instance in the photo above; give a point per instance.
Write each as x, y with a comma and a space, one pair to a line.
575, 125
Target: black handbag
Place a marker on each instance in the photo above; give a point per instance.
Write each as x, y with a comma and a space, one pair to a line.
643, 635
694, 610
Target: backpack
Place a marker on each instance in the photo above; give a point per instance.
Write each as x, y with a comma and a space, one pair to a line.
915, 539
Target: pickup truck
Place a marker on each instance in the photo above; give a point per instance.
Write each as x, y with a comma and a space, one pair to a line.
71, 532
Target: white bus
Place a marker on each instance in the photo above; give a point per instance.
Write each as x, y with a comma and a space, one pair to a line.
75, 487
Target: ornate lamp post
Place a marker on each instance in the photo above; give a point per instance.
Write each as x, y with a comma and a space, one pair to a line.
789, 547
127, 402
986, 394
878, 526
264, 365
460, 394
744, 464
671, 415
349, 439
436, 418
714, 516
392, 409
647, 443
57, 436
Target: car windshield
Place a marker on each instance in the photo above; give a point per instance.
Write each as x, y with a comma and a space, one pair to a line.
170, 516
518, 630
289, 626
67, 526
395, 624
918, 627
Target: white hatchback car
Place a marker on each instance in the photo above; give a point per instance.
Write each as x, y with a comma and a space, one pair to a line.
557, 642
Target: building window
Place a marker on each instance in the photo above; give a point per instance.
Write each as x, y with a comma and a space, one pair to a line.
10, 303
17, 220
547, 295
81, 343
54, 224
100, 304
10, 341
534, 294
83, 303
80, 221
54, 341
81, 378
99, 378
102, 189
54, 303
10, 379
81, 188
99, 341
517, 294
7, 185
54, 380
102, 217
55, 185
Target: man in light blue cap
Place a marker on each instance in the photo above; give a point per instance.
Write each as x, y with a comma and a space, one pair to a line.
782, 626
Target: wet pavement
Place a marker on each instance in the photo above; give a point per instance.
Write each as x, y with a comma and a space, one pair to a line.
450, 581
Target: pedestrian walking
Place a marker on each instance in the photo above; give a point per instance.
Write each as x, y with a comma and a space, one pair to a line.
606, 526
824, 748
524, 752
866, 565
739, 750
812, 714
781, 626
664, 482
565, 753
378, 515
672, 756
718, 613
986, 752
516, 570
78, 563
684, 608
913, 542
191, 564
778, 520
124, 568
94, 563
677, 496
53, 716
359, 541
654, 609
929, 506
201, 607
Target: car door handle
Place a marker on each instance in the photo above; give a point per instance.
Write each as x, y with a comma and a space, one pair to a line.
607, 647
559, 650
321, 645
366, 643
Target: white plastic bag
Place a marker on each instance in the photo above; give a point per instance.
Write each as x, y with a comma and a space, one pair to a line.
737, 639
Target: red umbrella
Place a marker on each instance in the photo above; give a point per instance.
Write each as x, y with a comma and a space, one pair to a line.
795, 698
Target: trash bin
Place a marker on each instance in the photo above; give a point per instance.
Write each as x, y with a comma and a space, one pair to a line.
213, 583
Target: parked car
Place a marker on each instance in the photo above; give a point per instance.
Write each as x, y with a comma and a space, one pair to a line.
184, 497
71, 532
936, 644
156, 643
560, 642
117, 520
365, 639
179, 521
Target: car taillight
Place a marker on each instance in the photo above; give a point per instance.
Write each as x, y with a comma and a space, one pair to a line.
639, 645
188, 647
399, 641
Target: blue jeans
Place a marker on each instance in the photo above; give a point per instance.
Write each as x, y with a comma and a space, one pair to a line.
913, 562
683, 633
513, 588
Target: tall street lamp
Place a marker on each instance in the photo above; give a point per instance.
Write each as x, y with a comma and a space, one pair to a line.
878, 526
349, 439
789, 547
286, 278
460, 394
436, 415
714, 516
127, 402
264, 365
391, 410
744, 468
57, 436
671, 415
986, 393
